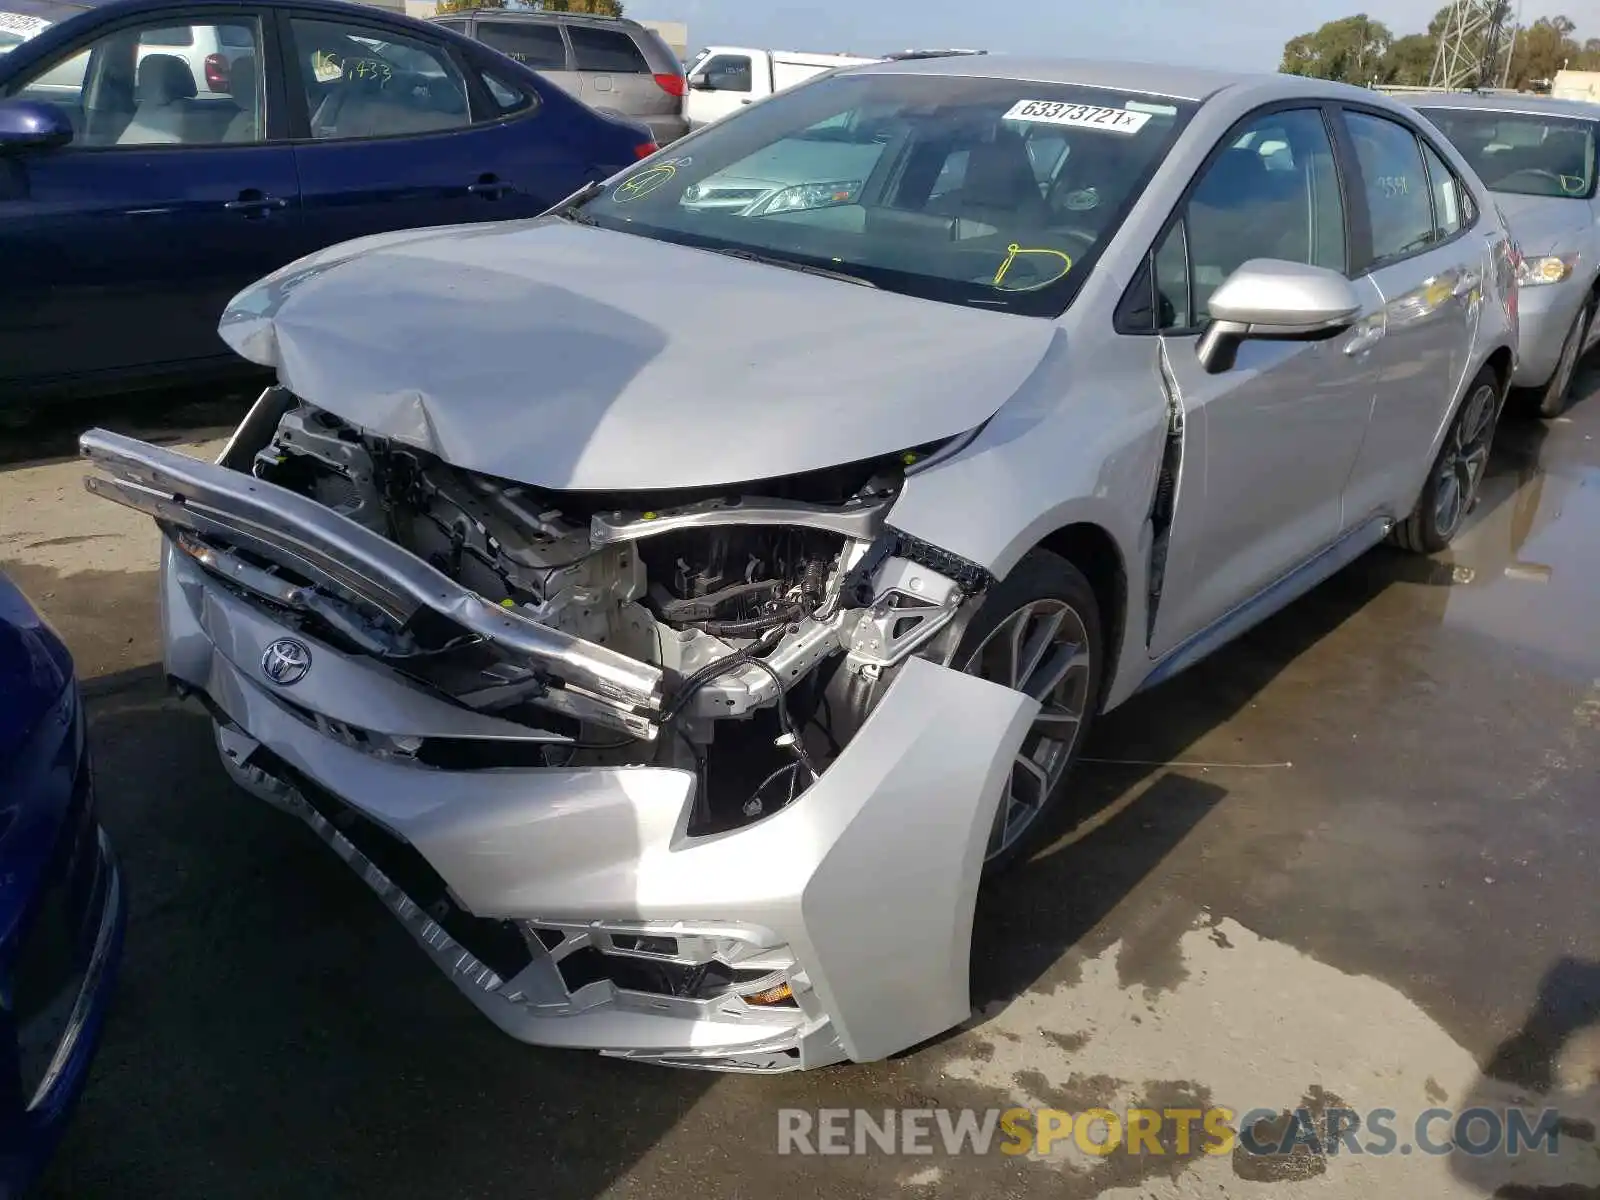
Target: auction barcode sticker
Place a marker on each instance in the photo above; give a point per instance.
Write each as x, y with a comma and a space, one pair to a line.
1081, 116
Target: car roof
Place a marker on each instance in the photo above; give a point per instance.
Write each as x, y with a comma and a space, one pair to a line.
549, 17
1545, 106
1154, 79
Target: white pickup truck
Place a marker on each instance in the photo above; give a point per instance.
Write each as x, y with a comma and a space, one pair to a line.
723, 79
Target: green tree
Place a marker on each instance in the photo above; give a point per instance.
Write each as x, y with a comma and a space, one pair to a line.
1410, 60
1352, 49
1542, 49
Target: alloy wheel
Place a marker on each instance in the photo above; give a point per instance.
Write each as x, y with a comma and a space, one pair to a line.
1042, 650
1461, 465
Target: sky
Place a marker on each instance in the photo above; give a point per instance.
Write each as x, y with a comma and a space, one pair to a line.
1232, 34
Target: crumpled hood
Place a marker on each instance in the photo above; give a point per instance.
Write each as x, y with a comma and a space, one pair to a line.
570, 357
1543, 224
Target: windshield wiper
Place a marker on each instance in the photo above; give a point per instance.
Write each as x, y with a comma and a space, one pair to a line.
570, 208
773, 260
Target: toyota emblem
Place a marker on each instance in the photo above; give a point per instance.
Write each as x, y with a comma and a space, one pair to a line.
286, 662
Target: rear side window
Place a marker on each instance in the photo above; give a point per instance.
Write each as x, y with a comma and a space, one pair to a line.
1449, 202
606, 50
1396, 186
507, 96
533, 45
235, 37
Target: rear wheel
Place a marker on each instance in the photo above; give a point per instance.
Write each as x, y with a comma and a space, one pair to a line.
1452, 487
1037, 632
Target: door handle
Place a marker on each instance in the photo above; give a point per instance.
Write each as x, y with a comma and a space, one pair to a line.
490, 188
1367, 334
253, 202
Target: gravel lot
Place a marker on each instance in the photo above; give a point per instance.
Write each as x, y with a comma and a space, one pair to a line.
1351, 858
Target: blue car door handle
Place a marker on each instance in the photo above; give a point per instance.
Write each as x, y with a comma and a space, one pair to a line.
255, 203
489, 187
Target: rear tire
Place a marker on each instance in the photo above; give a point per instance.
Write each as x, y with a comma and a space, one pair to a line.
1457, 472
1038, 631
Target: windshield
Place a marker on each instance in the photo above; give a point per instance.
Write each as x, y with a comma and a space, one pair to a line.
1525, 154
989, 192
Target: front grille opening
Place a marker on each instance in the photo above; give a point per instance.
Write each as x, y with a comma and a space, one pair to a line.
705, 981
643, 944
549, 938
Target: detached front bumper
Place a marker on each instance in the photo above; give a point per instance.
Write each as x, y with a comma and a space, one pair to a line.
572, 907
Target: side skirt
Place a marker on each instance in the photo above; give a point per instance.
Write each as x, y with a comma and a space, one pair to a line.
1275, 596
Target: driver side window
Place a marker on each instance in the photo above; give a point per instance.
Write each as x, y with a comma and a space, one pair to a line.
1273, 192
362, 82
726, 73
159, 84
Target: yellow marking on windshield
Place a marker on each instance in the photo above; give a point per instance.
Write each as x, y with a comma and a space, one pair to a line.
636, 187
1014, 252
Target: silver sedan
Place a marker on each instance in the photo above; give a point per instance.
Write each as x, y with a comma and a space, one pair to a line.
673, 610
1537, 156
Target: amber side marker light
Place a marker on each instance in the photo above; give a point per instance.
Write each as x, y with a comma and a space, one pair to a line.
782, 994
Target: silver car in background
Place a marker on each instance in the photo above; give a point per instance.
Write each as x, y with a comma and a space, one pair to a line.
612, 64
1537, 156
673, 611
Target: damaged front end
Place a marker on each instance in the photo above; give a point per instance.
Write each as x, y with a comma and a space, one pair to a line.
677, 776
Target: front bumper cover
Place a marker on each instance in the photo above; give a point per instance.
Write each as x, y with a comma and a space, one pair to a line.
859, 895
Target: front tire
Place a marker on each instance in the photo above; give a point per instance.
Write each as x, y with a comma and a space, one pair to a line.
1457, 472
1039, 632
1553, 402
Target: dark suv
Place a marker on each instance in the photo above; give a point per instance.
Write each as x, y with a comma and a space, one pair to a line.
611, 64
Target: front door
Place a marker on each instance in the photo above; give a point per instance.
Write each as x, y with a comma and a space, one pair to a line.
720, 86
1269, 442
123, 248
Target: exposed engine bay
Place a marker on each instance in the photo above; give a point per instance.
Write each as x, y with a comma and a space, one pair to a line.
775, 617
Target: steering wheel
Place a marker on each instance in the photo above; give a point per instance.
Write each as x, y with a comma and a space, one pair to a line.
1536, 172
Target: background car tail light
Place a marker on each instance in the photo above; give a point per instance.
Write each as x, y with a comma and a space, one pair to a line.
216, 73
671, 84
645, 149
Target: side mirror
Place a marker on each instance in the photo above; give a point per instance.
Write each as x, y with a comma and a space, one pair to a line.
32, 125
701, 83
1271, 299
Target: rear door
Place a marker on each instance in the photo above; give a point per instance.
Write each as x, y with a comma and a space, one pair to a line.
1429, 267
396, 131
122, 249
617, 77
537, 44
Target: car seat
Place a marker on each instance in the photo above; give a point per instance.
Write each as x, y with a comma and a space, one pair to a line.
242, 86
999, 188
162, 116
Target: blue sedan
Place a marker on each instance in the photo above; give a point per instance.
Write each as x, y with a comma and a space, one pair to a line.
61, 910
156, 157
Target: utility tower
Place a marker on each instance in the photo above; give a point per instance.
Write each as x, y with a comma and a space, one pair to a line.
1474, 46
